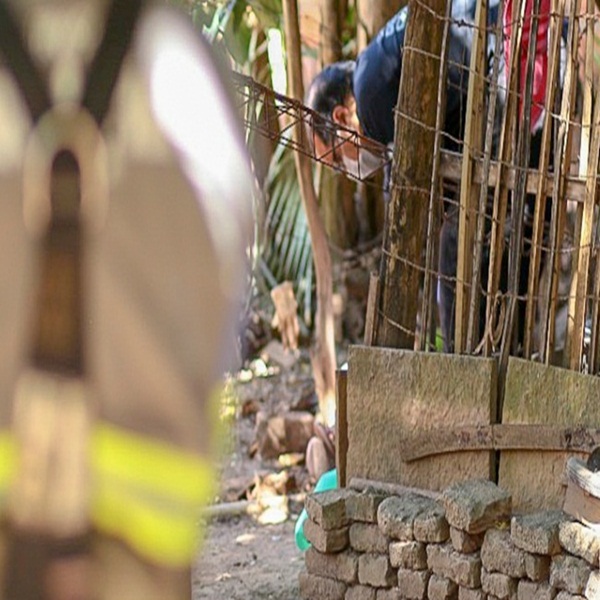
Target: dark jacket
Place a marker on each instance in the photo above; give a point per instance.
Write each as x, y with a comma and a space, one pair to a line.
378, 68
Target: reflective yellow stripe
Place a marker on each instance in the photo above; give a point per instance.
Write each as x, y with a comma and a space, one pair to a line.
149, 493
144, 491
8, 460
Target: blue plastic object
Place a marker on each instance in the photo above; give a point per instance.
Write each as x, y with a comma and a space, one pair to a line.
327, 481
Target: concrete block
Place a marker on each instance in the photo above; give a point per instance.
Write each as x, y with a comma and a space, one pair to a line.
592, 589
534, 477
431, 525
367, 537
361, 592
537, 567
465, 542
498, 585
580, 541
499, 554
342, 566
463, 569
408, 555
375, 570
383, 413
569, 573
475, 505
396, 515
328, 509
326, 541
413, 584
530, 590
465, 593
363, 506
441, 588
313, 587
538, 532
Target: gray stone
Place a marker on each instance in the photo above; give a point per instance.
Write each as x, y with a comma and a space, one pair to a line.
363, 506
569, 573
580, 541
326, 541
537, 533
498, 553
408, 555
413, 584
441, 588
465, 542
328, 509
361, 592
313, 587
431, 525
367, 537
592, 589
463, 569
568, 596
537, 567
396, 515
465, 593
342, 566
390, 594
530, 590
375, 570
476, 505
382, 416
498, 584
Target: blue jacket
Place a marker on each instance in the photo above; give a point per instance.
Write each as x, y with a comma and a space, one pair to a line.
379, 65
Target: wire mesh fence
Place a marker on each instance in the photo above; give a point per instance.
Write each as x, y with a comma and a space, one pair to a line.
508, 262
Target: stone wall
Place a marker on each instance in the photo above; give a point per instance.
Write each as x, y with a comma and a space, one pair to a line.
465, 544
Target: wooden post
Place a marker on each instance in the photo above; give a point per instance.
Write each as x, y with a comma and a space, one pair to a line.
406, 223
469, 190
323, 354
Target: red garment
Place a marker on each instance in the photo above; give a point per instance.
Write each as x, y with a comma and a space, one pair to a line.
540, 73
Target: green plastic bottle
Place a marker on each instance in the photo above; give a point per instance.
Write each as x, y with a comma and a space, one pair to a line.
327, 481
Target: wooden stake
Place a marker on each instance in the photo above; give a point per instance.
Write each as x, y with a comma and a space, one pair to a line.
323, 355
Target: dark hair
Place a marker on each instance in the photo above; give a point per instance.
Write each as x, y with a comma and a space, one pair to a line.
329, 89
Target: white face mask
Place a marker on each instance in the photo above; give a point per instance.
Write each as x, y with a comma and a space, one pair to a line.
367, 164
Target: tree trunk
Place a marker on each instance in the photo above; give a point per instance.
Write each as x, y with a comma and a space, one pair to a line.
372, 15
323, 355
336, 192
404, 234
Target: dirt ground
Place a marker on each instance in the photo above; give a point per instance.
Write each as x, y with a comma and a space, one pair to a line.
242, 558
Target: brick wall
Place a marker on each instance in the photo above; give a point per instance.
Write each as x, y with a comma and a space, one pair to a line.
370, 545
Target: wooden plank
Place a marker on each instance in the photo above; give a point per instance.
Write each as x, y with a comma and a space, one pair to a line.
469, 190
372, 310
450, 170
543, 183
584, 507
499, 437
587, 480
341, 426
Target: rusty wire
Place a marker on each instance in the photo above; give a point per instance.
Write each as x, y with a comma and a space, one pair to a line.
278, 115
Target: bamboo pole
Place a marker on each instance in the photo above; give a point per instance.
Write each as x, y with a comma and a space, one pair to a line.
469, 190
541, 195
561, 169
323, 352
